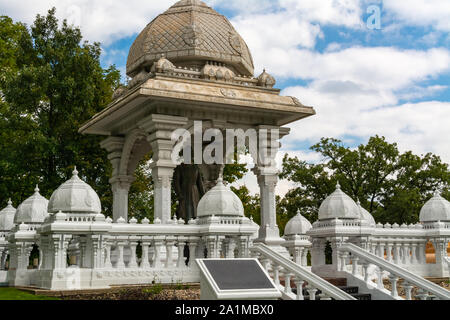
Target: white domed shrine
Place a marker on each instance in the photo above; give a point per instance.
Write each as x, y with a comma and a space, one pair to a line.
339, 205
75, 196
33, 210
220, 201
298, 225
436, 209
7, 217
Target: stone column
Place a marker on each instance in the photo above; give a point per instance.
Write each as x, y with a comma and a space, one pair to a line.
159, 129
267, 174
120, 187
120, 184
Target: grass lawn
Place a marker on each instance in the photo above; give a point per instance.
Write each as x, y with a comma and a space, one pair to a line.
14, 294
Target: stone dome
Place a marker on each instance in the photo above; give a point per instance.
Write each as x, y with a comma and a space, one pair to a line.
366, 216
339, 205
75, 196
436, 209
7, 217
298, 225
220, 201
33, 210
189, 34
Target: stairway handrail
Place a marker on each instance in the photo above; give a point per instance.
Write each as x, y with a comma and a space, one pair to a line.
393, 269
301, 272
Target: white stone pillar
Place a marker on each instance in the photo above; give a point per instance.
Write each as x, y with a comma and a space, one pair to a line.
159, 130
120, 187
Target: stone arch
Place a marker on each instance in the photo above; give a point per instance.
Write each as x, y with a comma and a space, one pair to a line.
135, 147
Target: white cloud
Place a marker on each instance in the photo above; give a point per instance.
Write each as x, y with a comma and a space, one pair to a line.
100, 20
434, 13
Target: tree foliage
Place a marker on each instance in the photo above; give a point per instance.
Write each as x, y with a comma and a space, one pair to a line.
393, 186
53, 84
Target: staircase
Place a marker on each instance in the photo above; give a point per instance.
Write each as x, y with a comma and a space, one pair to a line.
341, 283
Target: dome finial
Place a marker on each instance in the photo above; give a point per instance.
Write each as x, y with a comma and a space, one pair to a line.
358, 203
9, 202
338, 186
36, 190
75, 171
298, 212
437, 193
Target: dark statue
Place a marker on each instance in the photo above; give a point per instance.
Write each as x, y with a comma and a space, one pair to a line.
188, 185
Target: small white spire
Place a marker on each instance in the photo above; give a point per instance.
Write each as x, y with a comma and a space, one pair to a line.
338, 186
9, 202
75, 171
36, 190
298, 212
437, 193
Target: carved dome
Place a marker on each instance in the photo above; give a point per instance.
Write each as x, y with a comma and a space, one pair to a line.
298, 225
189, 34
436, 209
339, 205
220, 201
75, 196
33, 210
366, 216
7, 217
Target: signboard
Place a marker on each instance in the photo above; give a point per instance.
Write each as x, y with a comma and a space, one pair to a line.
235, 279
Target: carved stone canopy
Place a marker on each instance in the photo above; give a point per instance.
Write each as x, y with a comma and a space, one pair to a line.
33, 210
189, 34
7, 217
75, 196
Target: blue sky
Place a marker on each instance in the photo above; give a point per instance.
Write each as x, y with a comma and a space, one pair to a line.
393, 81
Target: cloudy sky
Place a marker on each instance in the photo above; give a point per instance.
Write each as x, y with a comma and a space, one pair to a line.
364, 76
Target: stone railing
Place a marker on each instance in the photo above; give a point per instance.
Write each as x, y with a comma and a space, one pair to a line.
277, 265
102, 253
360, 257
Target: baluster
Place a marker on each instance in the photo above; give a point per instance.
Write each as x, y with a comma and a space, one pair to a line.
394, 279
422, 294
406, 255
145, 264
169, 252
120, 260
397, 253
192, 249
157, 244
355, 265
380, 284
312, 293
276, 275
299, 284
423, 249
389, 252
287, 282
381, 250
408, 290
108, 264
133, 258
181, 242
365, 266
414, 254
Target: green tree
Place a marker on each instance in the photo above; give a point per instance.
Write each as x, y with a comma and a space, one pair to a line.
393, 186
53, 86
